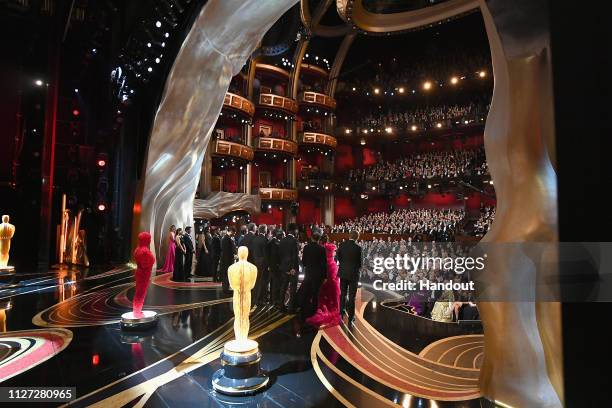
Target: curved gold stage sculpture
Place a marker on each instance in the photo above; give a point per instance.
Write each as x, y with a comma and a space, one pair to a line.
522, 364
221, 39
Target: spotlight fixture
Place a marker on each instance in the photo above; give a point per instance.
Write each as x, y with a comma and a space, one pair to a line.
101, 207
346, 188
438, 125
454, 80
482, 74
347, 131
363, 142
413, 128
376, 91
401, 90
38, 82
158, 24
427, 85
389, 130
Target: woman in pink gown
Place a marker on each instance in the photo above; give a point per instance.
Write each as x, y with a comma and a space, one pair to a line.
170, 255
328, 311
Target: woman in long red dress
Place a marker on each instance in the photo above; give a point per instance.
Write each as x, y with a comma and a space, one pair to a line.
171, 254
328, 311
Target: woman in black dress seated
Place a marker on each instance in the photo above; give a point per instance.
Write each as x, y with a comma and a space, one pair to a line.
179, 269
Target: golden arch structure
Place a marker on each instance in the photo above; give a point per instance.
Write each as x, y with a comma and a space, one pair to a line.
522, 365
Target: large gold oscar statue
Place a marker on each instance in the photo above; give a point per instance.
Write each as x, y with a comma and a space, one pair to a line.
241, 374
7, 231
242, 276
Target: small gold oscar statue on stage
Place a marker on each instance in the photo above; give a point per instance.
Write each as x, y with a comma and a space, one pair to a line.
6, 234
241, 374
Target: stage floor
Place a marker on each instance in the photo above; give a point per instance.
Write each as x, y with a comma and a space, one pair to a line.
66, 325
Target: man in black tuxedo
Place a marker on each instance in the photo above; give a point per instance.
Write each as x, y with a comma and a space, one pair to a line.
289, 267
228, 250
190, 248
259, 247
238, 239
274, 256
349, 257
315, 270
215, 253
247, 240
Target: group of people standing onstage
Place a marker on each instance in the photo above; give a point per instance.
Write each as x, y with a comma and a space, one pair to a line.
183, 250
331, 274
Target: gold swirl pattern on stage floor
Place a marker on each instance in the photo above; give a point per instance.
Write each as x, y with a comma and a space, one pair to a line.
103, 307
377, 358
165, 281
24, 349
138, 387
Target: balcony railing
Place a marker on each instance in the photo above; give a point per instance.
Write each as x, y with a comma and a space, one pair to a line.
321, 139
232, 149
314, 69
273, 69
318, 99
277, 194
276, 145
239, 103
278, 102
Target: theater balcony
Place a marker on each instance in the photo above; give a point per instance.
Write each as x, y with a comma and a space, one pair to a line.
318, 100
277, 194
315, 139
277, 102
276, 145
231, 149
239, 104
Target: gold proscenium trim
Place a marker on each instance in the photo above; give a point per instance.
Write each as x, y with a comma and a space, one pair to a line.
356, 14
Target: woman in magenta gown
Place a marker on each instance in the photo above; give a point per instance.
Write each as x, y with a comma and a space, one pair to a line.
328, 311
170, 255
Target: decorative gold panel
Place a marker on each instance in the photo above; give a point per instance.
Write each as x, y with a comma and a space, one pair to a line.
278, 194
239, 103
276, 145
278, 102
310, 138
237, 150
319, 99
